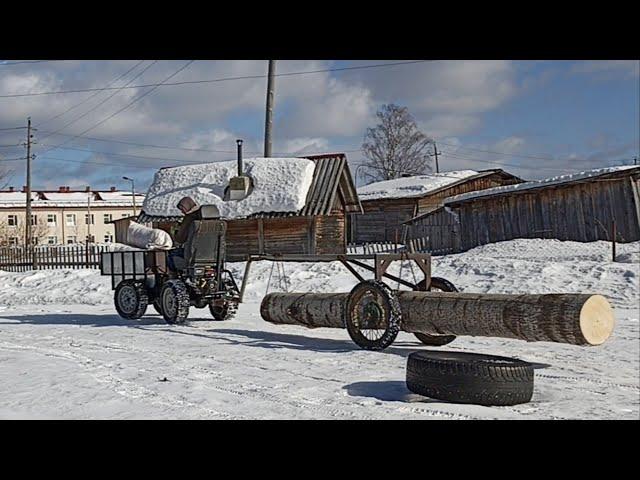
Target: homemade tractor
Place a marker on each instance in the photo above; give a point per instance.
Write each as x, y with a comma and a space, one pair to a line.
143, 277
373, 313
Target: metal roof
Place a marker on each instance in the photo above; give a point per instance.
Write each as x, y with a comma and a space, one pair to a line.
331, 178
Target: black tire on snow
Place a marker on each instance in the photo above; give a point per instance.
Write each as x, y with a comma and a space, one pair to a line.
470, 378
157, 306
130, 299
218, 312
386, 304
174, 302
444, 285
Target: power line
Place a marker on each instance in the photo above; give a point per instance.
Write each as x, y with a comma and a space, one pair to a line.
136, 99
91, 96
28, 61
119, 89
126, 154
215, 80
464, 157
11, 128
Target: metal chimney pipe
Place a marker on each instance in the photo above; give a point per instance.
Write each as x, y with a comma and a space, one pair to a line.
239, 142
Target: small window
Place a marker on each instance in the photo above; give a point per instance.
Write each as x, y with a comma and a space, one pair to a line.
86, 219
13, 220
71, 239
108, 217
124, 215
13, 240
52, 219
34, 219
52, 240
108, 238
71, 219
34, 241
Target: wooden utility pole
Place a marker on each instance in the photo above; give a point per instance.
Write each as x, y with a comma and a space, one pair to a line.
435, 150
27, 230
268, 124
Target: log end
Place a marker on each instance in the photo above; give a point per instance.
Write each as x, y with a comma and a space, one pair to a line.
596, 320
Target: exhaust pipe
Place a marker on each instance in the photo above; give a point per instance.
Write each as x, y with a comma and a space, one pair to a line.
239, 142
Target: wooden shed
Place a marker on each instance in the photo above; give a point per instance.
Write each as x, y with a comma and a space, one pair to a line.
389, 204
580, 207
319, 227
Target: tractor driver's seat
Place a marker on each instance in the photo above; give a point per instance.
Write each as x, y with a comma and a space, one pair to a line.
205, 246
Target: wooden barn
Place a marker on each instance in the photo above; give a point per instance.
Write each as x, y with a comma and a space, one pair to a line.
581, 207
389, 204
319, 227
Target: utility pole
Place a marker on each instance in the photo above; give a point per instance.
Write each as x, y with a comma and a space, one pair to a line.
635, 161
133, 193
268, 125
27, 239
435, 149
88, 216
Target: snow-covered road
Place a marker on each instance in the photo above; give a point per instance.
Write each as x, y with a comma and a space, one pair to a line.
65, 353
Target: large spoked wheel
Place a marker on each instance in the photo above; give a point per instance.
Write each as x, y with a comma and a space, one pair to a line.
437, 284
372, 315
131, 299
174, 302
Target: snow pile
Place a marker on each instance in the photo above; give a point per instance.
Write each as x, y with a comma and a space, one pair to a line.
279, 185
540, 183
145, 237
412, 186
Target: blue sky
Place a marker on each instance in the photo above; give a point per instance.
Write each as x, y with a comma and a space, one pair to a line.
533, 118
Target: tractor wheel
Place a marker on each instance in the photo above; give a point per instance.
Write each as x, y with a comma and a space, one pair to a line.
219, 312
470, 378
372, 315
131, 299
157, 305
442, 285
174, 302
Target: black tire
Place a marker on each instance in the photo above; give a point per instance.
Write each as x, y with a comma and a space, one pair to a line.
219, 312
443, 285
157, 306
382, 310
174, 302
130, 299
470, 378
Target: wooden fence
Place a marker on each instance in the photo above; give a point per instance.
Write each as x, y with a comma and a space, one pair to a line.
20, 259
375, 247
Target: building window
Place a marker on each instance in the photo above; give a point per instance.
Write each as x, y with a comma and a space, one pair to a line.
13, 220
13, 240
108, 238
125, 215
86, 219
34, 219
71, 219
108, 217
51, 219
71, 239
52, 240
34, 241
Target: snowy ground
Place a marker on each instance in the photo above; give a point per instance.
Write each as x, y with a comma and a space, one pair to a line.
65, 353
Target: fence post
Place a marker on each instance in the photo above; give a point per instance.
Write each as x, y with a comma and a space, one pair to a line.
613, 239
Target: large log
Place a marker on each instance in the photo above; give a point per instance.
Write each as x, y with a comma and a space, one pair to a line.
577, 319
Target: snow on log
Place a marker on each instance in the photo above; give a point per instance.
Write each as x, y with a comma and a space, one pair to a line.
577, 319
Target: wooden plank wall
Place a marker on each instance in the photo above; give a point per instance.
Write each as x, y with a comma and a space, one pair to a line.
437, 233
581, 212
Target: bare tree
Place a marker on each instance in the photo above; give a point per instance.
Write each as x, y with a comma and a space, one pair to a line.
395, 147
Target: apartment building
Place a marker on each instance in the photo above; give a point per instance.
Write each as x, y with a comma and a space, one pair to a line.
64, 216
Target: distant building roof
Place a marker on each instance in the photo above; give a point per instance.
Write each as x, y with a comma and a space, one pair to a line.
587, 175
69, 198
422, 185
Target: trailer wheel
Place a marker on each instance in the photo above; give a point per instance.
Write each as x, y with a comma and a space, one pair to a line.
131, 299
174, 301
372, 315
470, 378
443, 285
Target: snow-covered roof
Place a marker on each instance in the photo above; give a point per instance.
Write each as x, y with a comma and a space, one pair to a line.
416, 186
69, 199
279, 185
562, 179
